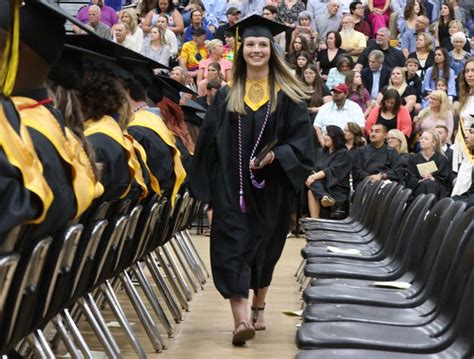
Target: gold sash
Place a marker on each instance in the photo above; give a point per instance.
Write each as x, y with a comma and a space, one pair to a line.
84, 183
256, 93
22, 154
154, 122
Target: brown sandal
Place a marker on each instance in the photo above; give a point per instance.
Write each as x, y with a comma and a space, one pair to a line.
241, 336
255, 311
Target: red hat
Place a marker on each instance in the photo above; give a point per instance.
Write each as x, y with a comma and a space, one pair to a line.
341, 88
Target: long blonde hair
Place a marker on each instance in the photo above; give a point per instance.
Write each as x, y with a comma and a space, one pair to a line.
279, 77
133, 20
404, 84
401, 137
437, 141
444, 103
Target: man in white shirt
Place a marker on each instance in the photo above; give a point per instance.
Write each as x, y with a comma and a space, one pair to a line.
121, 31
354, 42
170, 36
338, 112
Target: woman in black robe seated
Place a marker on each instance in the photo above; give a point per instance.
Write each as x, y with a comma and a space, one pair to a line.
428, 170
329, 183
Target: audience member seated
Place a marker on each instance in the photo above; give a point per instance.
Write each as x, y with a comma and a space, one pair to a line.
288, 11
398, 141
353, 42
179, 74
437, 113
409, 39
233, 16
121, 31
170, 36
229, 47
424, 54
135, 32
338, 112
357, 92
337, 74
458, 56
376, 160
327, 58
407, 20
413, 79
215, 51
302, 62
377, 75
197, 17
107, 15
270, 12
379, 13
215, 11
446, 15
392, 56
357, 10
193, 52
100, 28
454, 27
398, 82
320, 92
212, 86
325, 23
390, 113
304, 28
354, 138
297, 44
329, 183
164, 7
156, 47
213, 74
441, 68
428, 170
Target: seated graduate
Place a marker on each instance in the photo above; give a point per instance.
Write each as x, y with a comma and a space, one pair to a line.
329, 183
397, 140
376, 160
66, 166
428, 170
148, 128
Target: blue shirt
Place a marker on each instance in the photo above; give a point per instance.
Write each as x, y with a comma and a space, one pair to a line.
375, 85
217, 8
429, 85
408, 40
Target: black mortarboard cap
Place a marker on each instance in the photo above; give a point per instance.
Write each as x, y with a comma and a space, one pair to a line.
193, 112
41, 26
172, 88
258, 26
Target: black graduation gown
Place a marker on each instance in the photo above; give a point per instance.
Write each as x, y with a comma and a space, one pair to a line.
370, 160
246, 246
337, 167
17, 204
186, 157
439, 186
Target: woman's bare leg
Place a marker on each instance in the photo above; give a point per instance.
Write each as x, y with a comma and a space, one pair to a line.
314, 205
258, 302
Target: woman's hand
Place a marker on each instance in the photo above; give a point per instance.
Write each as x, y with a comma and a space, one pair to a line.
427, 177
310, 180
268, 159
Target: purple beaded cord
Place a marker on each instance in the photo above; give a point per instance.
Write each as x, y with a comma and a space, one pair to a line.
255, 183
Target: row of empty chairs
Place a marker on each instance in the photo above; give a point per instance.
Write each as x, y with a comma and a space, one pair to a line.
48, 285
393, 280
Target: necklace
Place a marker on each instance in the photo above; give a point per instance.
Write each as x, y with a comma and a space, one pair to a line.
139, 107
255, 183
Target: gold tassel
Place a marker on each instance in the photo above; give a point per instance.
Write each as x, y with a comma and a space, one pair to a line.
9, 63
236, 42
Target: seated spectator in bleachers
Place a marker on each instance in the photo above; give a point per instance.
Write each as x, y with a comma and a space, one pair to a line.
197, 17
459, 12
121, 31
357, 92
156, 47
214, 9
304, 28
330, 21
379, 14
193, 52
327, 58
437, 113
100, 28
397, 17
320, 92
179, 74
164, 7
354, 138
414, 80
304, 59
329, 182
377, 75
213, 73
251, 7
233, 16
338, 112
428, 170
454, 27
398, 141
212, 86
398, 82
376, 160
458, 56
215, 51
337, 74
407, 20
270, 12
135, 33
472, 46
297, 44
409, 38
353, 42
392, 56
288, 11
441, 27
170, 36
423, 53
107, 16
390, 113
229, 47
441, 68
357, 10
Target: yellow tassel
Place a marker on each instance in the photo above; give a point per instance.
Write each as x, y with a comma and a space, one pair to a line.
236, 44
9, 63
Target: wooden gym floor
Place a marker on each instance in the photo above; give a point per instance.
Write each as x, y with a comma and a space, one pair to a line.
207, 328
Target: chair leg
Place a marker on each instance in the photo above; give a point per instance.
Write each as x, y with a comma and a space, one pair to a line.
100, 328
78, 338
177, 273
300, 269
196, 255
36, 346
142, 312
114, 304
192, 262
163, 288
66, 338
44, 343
301, 276
183, 262
150, 294
172, 280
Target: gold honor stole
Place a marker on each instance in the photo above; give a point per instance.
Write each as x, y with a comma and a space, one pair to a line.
256, 93
109, 127
154, 122
85, 185
21, 153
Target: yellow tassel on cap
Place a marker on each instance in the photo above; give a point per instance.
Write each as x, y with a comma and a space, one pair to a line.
9, 62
